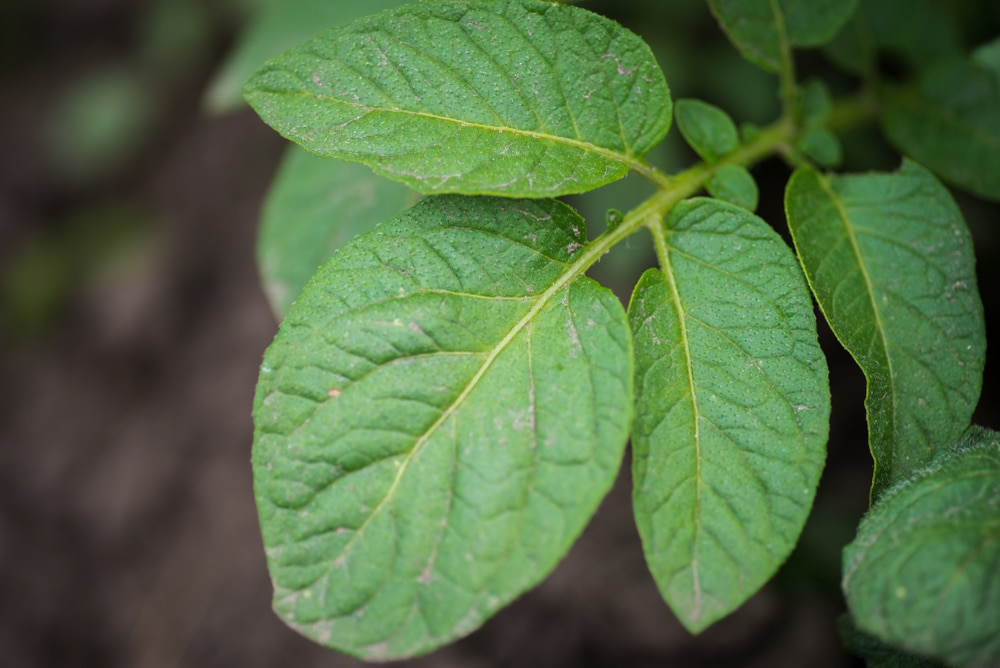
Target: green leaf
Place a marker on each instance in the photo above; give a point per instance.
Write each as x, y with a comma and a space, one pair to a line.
314, 206
891, 263
734, 184
732, 409
952, 125
511, 97
920, 31
820, 145
707, 129
815, 102
988, 56
280, 25
876, 653
922, 572
437, 419
761, 29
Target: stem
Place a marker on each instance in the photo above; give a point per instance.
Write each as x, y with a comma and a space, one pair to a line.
789, 89
850, 112
673, 190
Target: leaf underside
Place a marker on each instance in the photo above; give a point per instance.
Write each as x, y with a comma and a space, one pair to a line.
891, 263
509, 97
437, 419
952, 125
732, 409
314, 206
921, 573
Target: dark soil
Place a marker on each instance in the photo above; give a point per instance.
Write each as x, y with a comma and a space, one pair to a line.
128, 534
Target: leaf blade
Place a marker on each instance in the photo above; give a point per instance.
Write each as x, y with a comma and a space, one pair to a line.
759, 28
511, 97
921, 572
890, 261
314, 206
731, 410
436, 421
952, 125
706, 128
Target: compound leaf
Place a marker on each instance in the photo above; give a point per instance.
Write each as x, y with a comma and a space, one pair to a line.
314, 206
952, 125
511, 97
763, 29
706, 128
732, 409
891, 263
922, 572
438, 417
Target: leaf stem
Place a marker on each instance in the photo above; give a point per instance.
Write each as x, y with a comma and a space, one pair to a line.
859, 109
778, 137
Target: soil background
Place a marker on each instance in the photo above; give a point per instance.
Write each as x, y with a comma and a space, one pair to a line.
133, 328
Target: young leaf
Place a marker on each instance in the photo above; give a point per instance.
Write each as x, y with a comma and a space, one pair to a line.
314, 206
706, 128
437, 419
732, 409
820, 145
891, 263
734, 184
922, 572
952, 125
815, 102
762, 29
511, 97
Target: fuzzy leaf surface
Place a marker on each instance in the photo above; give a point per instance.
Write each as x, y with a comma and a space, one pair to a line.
922, 572
890, 260
761, 29
952, 125
437, 419
314, 206
510, 97
732, 409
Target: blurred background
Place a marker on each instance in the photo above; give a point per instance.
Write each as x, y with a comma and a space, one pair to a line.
132, 322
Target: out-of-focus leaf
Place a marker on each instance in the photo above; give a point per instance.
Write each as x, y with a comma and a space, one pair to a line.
951, 125
761, 29
922, 572
278, 26
315, 205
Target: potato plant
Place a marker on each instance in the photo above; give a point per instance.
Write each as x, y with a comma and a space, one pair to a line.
450, 395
